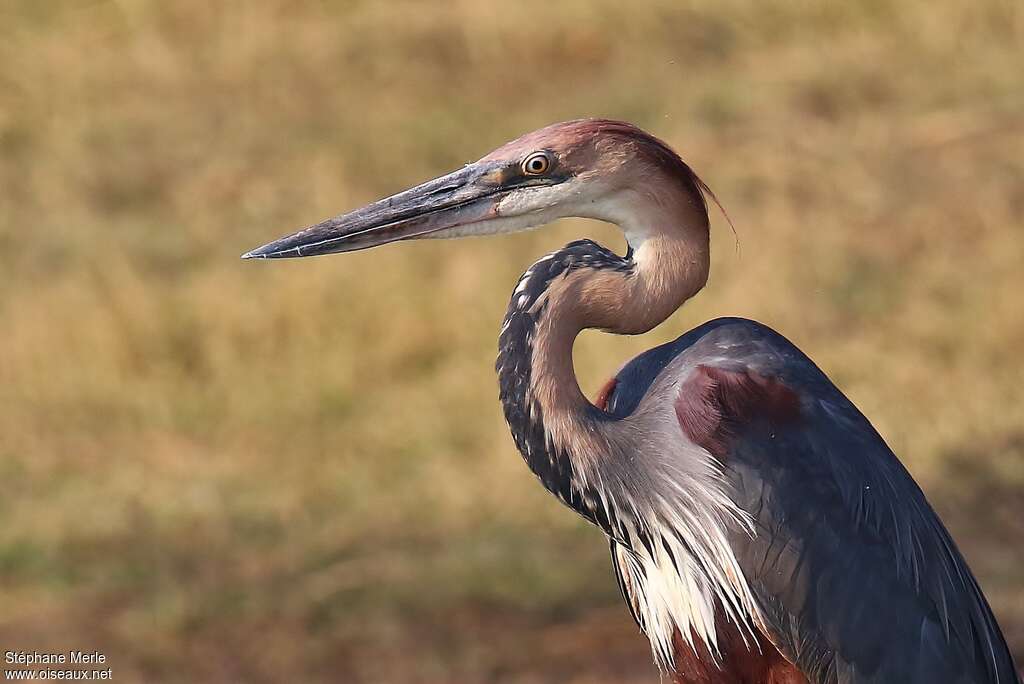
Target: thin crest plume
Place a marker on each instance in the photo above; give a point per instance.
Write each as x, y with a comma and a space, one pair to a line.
706, 191
668, 156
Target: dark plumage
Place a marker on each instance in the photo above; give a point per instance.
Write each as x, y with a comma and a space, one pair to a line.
761, 531
856, 575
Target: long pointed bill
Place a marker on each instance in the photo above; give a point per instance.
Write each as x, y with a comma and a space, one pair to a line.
466, 196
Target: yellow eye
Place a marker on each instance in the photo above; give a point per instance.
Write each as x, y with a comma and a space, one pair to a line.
536, 164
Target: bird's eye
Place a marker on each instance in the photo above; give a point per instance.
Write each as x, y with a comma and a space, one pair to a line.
536, 164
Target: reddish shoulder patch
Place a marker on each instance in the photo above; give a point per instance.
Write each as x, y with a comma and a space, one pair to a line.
601, 400
714, 403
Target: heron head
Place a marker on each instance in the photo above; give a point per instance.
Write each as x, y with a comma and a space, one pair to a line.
590, 168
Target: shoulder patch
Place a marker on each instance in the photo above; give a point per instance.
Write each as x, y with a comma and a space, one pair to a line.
605, 394
714, 403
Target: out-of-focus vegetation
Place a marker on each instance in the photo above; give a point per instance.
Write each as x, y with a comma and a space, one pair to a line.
216, 470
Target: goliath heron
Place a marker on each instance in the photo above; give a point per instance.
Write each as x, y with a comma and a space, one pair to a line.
760, 528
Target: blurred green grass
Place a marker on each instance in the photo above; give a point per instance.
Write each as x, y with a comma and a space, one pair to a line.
216, 470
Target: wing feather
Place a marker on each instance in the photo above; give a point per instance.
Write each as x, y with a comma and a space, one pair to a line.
856, 577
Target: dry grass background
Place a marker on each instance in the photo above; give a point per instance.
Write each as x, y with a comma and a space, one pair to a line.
216, 470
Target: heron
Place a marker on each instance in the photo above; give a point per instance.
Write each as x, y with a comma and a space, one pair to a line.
760, 528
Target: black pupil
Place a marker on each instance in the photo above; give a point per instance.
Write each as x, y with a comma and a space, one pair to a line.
537, 164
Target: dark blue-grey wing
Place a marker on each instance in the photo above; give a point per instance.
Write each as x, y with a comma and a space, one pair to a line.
857, 578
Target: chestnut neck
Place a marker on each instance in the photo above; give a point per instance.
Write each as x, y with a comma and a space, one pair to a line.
586, 286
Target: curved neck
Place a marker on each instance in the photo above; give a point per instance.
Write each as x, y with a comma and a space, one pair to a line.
664, 508
586, 286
